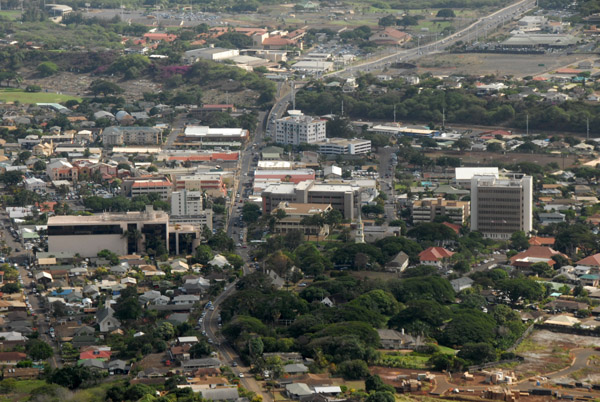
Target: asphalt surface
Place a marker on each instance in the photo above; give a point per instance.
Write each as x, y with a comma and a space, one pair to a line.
472, 33
210, 322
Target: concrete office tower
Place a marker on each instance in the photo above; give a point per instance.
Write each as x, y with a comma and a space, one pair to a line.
501, 206
299, 129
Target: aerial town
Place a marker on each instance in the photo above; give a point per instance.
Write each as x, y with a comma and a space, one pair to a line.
316, 201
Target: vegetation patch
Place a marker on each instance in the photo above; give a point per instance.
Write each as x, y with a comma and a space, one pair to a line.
19, 95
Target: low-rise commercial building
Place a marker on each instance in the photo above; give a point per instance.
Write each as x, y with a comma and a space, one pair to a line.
122, 233
291, 176
344, 196
344, 146
136, 186
204, 136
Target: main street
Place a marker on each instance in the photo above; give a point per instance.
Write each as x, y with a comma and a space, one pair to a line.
471, 33
211, 323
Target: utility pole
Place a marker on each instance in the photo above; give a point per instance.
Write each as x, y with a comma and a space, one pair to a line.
588, 128
394, 113
443, 118
527, 123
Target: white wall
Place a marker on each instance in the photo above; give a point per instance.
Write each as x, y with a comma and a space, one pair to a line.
87, 246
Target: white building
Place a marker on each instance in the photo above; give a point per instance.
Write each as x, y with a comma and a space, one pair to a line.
299, 129
186, 202
500, 207
209, 53
343, 146
464, 175
35, 184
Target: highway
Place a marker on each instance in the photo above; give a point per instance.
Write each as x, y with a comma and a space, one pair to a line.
471, 33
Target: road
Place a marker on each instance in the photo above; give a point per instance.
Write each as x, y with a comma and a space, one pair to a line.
386, 180
210, 322
469, 34
21, 257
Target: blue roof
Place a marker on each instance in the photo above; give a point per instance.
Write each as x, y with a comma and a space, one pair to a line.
63, 293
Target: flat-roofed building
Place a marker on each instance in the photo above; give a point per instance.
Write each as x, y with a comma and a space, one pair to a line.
186, 202
426, 210
136, 186
204, 136
133, 135
501, 206
88, 235
211, 183
464, 175
291, 176
300, 129
294, 215
343, 196
344, 146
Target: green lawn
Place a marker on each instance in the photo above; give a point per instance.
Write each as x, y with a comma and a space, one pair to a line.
10, 14
14, 95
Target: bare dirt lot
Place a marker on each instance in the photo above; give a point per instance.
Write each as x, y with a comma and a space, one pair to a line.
499, 64
491, 159
546, 352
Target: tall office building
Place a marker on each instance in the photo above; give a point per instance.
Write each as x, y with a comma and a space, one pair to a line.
501, 206
298, 129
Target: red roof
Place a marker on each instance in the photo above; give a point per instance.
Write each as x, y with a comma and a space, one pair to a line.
592, 260
95, 354
160, 36
537, 252
277, 41
452, 226
567, 71
498, 132
540, 79
435, 254
541, 241
12, 356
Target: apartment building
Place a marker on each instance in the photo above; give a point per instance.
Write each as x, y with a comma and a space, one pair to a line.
428, 209
116, 136
501, 206
299, 129
88, 235
136, 186
344, 146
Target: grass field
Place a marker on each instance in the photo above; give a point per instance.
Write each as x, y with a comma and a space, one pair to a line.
18, 95
10, 14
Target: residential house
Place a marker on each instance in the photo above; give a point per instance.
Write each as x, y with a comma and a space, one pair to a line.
399, 263
392, 339
11, 358
462, 283
106, 320
297, 390
591, 261
295, 368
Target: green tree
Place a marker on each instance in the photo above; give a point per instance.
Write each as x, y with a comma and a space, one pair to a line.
47, 68
445, 13
38, 350
478, 353
519, 241
105, 88
353, 369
